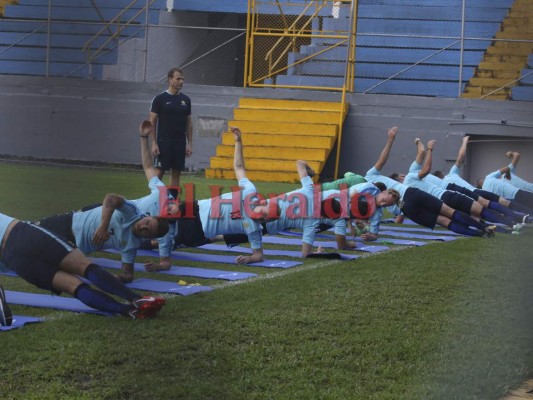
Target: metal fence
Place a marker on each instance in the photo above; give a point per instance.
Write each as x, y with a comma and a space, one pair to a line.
453, 48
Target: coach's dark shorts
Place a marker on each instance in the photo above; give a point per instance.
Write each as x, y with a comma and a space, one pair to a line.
421, 207
171, 155
34, 254
60, 224
458, 201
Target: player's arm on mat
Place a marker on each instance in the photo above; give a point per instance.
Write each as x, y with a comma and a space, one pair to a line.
257, 256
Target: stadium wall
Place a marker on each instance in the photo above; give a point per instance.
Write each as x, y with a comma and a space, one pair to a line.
97, 121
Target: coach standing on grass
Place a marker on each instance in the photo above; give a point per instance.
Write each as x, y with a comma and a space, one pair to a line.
171, 135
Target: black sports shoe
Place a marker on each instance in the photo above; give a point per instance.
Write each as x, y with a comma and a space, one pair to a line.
6, 317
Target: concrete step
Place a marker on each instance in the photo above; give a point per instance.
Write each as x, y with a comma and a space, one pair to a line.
499, 74
489, 82
509, 51
516, 60
517, 20
499, 66
494, 96
257, 176
522, 45
275, 104
482, 90
274, 141
284, 128
262, 164
514, 34
323, 117
280, 153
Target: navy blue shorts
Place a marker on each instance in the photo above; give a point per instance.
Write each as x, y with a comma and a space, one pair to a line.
524, 197
60, 224
421, 207
34, 254
488, 195
171, 155
458, 201
463, 190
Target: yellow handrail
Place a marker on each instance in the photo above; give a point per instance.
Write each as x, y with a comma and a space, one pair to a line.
268, 56
339, 139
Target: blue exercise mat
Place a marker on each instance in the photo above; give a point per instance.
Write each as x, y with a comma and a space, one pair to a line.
49, 301
288, 253
406, 221
215, 258
19, 321
8, 272
182, 271
442, 238
402, 242
420, 230
326, 244
166, 287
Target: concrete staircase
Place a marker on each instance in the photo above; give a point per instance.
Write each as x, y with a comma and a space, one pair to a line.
504, 61
4, 3
276, 133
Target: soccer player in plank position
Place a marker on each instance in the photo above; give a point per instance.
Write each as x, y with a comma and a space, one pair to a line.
117, 224
453, 181
417, 177
421, 207
299, 211
520, 200
512, 177
49, 262
239, 212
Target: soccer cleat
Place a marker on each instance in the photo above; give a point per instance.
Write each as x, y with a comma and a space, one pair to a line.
147, 307
6, 317
515, 233
149, 300
490, 230
518, 227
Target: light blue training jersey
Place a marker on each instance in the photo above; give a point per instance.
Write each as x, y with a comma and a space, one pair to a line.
150, 205
412, 179
297, 212
501, 187
374, 175
518, 182
455, 177
217, 217
85, 223
373, 190
5, 220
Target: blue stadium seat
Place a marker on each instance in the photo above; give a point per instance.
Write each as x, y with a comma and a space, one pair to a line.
38, 68
65, 13
404, 87
522, 93
23, 42
441, 3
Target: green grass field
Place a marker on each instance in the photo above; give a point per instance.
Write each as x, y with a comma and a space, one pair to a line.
443, 321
